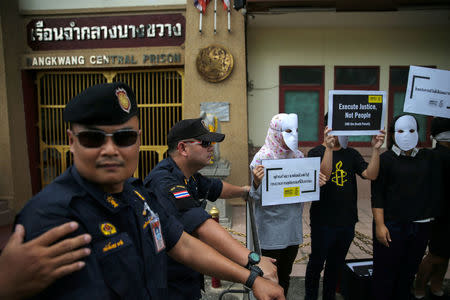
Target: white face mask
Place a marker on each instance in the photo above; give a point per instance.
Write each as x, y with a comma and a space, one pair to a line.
290, 122
406, 136
343, 141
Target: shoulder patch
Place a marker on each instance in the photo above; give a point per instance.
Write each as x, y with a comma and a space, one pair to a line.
179, 192
183, 200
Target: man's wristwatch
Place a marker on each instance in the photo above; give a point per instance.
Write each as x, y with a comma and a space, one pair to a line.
255, 271
253, 259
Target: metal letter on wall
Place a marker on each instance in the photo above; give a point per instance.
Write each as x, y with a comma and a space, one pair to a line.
160, 99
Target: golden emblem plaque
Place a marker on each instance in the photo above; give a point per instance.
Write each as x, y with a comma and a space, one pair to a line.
214, 63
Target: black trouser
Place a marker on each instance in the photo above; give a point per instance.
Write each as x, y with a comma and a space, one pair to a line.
394, 267
285, 259
329, 245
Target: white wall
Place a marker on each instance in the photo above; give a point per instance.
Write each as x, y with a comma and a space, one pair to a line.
271, 47
83, 4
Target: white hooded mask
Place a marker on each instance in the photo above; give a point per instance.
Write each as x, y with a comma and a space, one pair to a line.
406, 136
290, 138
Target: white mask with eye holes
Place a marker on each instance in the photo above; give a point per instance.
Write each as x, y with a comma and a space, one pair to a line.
289, 128
406, 136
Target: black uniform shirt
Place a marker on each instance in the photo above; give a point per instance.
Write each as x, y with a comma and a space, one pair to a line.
182, 198
338, 197
124, 262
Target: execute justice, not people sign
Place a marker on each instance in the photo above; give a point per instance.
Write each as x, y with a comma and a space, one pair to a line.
290, 180
356, 112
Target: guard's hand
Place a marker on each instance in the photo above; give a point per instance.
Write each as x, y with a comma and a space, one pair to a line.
245, 190
322, 179
329, 139
378, 140
267, 265
28, 268
258, 174
382, 234
264, 289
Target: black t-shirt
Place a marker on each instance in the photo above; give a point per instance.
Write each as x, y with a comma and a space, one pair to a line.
337, 205
408, 188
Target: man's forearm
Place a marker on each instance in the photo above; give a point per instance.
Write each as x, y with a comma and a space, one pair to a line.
378, 215
204, 259
326, 166
233, 191
374, 165
211, 233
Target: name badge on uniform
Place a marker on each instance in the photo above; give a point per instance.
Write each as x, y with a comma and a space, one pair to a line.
155, 225
151, 218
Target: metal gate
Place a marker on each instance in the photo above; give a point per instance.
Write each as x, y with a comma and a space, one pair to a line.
159, 95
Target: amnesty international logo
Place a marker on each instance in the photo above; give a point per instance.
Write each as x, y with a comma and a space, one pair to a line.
339, 175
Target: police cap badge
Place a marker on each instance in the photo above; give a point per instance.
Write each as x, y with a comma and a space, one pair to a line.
102, 104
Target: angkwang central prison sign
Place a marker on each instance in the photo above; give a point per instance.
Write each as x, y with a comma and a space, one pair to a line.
104, 60
106, 32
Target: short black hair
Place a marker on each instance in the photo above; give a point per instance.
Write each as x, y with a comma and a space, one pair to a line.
439, 125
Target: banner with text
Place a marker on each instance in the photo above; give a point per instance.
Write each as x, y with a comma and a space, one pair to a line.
428, 92
356, 112
290, 180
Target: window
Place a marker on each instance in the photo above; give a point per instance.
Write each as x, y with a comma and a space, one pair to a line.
357, 78
301, 92
398, 80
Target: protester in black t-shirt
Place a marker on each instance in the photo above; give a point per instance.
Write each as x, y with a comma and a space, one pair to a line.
333, 218
402, 205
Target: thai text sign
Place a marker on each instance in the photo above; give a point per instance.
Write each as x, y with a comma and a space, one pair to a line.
356, 112
106, 32
428, 92
290, 180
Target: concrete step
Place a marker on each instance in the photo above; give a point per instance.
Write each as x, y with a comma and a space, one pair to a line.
296, 290
215, 293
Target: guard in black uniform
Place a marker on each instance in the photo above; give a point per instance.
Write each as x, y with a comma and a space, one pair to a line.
131, 233
182, 192
187, 204
125, 249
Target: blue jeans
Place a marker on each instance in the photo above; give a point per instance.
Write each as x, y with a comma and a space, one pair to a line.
394, 267
329, 245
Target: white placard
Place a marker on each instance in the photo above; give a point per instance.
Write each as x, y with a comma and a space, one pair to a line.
428, 92
290, 180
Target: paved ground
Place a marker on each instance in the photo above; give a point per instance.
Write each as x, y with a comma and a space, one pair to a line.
361, 247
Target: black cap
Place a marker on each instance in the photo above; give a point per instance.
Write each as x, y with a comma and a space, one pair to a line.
439, 125
192, 129
102, 104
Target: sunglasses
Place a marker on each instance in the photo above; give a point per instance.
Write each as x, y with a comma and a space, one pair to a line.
96, 138
204, 144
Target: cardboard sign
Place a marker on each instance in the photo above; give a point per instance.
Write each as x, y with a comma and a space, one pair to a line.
356, 112
428, 92
291, 180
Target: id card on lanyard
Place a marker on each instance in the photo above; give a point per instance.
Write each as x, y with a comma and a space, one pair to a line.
152, 219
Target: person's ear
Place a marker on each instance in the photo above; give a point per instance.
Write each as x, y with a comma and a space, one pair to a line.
71, 139
181, 148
